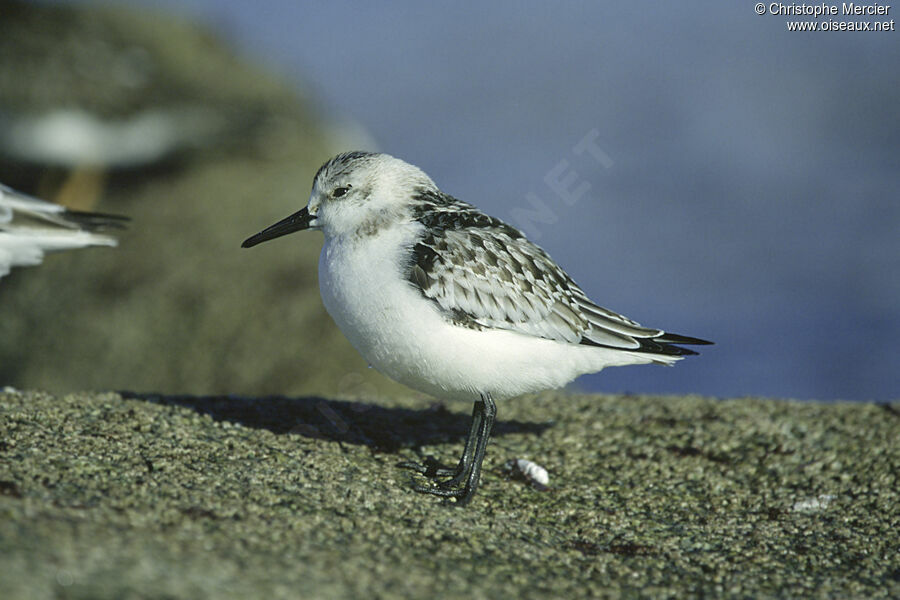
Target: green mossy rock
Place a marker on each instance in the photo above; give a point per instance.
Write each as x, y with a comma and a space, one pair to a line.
105, 496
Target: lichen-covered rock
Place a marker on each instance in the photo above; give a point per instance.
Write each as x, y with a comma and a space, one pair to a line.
109, 496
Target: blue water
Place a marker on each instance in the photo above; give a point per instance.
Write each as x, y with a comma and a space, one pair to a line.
743, 184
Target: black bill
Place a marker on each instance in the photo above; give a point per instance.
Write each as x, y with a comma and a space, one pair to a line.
298, 221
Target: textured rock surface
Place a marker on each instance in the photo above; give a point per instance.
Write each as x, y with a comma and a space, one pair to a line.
105, 496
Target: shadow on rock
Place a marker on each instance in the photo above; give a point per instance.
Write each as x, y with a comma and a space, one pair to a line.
383, 429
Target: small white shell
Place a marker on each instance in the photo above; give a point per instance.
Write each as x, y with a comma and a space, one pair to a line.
532, 472
816, 504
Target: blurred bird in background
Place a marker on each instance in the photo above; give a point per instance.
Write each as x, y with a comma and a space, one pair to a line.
30, 227
117, 109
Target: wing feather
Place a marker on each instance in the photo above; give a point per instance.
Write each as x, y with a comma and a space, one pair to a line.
485, 274
30, 227
21, 210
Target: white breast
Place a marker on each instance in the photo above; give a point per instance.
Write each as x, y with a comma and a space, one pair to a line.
364, 290
402, 334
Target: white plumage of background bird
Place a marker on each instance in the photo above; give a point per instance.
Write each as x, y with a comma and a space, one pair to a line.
450, 301
30, 227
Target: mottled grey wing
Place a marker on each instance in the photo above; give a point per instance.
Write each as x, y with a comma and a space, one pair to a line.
492, 277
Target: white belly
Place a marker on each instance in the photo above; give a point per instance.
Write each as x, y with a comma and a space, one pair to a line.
402, 334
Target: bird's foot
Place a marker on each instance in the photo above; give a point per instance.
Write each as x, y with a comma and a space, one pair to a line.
461, 482
445, 481
433, 469
462, 495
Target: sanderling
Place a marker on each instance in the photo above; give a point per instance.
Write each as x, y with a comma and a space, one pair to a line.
452, 302
30, 227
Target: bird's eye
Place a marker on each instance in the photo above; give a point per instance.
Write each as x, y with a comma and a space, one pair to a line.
341, 191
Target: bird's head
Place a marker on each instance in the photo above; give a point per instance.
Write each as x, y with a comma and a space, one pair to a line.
354, 193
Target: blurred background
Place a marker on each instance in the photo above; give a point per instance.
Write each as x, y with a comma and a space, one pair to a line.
699, 169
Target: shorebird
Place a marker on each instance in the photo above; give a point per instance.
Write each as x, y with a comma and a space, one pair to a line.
30, 227
450, 301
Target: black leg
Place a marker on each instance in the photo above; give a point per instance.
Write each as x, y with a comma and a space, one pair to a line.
465, 461
469, 467
431, 469
487, 424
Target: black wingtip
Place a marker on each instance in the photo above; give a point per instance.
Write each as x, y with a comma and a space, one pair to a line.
668, 345
674, 338
93, 221
659, 346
